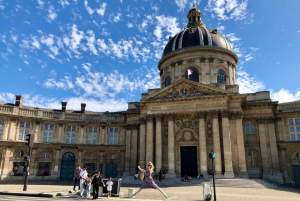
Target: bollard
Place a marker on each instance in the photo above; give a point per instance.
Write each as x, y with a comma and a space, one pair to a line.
100, 193
131, 191
206, 191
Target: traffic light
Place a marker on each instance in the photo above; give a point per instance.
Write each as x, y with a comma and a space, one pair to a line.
26, 158
29, 138
212, 155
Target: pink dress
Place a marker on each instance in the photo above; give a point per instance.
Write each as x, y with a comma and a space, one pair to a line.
149, 183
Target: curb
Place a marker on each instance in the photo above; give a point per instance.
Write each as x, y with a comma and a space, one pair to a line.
28, 194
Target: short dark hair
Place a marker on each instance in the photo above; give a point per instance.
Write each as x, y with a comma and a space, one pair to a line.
84, 167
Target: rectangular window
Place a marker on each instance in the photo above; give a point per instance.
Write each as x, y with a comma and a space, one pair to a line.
24, 130
48, 133
294, 128
1, 128
92, 135
19, 168
113, 135
71, 133
44, 169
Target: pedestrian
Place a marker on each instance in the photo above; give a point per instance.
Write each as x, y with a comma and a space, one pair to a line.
96, 182
88, 182
83, 176
109, 184
159, 175
149, 182
77, 178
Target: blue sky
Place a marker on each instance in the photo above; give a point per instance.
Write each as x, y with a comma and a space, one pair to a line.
105, 53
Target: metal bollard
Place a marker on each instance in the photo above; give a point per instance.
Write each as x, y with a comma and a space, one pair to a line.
206, 191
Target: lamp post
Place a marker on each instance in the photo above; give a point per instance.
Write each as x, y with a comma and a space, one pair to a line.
212, 156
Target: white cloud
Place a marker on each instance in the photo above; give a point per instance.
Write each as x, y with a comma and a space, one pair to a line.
102, 9
228, 9
41, 4
51, 14
183, 3
64, 83
166, 24
284, 95
129, 25
64, 3
248, 84
7, 97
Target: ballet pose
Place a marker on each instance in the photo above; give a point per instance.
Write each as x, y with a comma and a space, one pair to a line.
149, 182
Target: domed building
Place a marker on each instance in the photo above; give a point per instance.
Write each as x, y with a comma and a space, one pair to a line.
196, 111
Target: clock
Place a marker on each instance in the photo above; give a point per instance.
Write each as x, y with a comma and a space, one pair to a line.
184, 91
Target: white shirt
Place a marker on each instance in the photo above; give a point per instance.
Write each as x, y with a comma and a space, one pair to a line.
83, 174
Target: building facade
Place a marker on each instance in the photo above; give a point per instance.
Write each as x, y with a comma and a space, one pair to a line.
197, 109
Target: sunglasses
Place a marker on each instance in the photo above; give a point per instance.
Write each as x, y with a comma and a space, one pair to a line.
149, 164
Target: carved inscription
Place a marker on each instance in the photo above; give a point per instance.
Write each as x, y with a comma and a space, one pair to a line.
195, 105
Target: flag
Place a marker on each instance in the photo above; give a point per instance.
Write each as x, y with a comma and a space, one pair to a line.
190, 71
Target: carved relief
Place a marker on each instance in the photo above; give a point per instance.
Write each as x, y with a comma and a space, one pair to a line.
211, 59
173, 64
196, 92
224, 113
209, 127
202, 59
201, 114
165, 130
180, 62
186, 121
190, 60
215, 114
186, 136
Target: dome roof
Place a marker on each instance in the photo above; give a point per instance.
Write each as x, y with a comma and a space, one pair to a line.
196, 34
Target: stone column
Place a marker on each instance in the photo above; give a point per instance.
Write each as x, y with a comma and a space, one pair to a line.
274, 152
6, 129
56, 163
171, 147
80, 158
122, 135
240, 145
6, 169
158, 144
149, 139
33, 164
82, 137
202, 144
142, 159
37, 136
133, 154
102, 162
216, 142
263, 148
103, 129
60, 130
105, 132
227, 146
127, 152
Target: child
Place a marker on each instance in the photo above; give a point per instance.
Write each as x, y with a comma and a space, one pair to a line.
109, 184
88, 182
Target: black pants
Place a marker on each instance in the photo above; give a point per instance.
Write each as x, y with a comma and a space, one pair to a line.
76, 182
95, 191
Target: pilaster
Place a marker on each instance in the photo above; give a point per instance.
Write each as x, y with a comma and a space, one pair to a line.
202, 144
216, 142
158, 143
149, 139
171, 146
142, 158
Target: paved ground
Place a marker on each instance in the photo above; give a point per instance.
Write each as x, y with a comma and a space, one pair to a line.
226, 189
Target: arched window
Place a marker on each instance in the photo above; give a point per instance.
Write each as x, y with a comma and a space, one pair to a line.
167, 80
249, 128
192, 74
252, 158
221, 77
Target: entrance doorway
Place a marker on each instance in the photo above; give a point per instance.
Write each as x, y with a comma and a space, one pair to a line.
296, 170
188, 156
67, 167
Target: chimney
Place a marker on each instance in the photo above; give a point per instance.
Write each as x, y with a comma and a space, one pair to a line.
63, 106
19, 99
83, 107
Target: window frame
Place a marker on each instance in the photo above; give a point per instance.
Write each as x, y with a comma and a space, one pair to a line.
294, 128
167, 80
194, 77
254, 157
1, 128
24, 130
221, 78
47, 133
113, 135
92, 135
71, 134
249, 126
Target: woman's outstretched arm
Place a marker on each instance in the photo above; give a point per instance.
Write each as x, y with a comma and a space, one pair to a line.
142, 170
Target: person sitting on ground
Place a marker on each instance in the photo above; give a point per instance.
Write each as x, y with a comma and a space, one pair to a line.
185, 178
200, 176
189, 178
135, 176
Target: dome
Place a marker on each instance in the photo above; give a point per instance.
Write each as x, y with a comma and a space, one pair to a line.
196, 34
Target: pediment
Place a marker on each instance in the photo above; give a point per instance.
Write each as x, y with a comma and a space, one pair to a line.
185, 89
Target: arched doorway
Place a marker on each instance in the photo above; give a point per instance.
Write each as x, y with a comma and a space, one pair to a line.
67, 166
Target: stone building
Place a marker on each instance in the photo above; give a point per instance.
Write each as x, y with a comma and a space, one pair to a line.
197, 109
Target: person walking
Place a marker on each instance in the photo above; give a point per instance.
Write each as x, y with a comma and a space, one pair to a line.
83, 176
77, 178
96, 181
109, 184
159, 175
88, 182
149, 182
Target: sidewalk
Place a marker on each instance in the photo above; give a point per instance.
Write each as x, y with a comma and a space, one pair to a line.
226, 189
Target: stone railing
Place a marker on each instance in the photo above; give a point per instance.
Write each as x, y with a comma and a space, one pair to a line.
57, 115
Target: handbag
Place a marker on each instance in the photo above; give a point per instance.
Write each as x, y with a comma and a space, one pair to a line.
141, 175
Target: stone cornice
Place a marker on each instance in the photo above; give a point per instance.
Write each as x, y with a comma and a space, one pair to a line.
265, 120
196, 50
